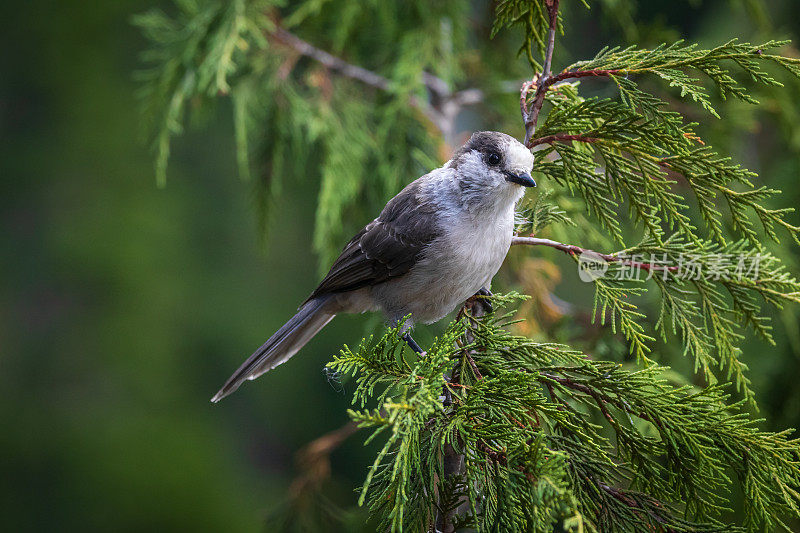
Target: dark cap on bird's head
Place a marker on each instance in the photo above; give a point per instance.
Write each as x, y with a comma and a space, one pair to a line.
501, 153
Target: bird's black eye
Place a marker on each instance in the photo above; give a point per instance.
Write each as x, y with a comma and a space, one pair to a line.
493, 158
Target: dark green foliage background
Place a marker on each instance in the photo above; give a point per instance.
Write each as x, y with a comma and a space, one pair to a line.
123, 307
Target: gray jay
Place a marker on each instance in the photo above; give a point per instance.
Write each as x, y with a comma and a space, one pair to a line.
438, 242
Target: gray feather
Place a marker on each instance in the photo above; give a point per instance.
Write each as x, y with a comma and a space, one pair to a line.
387, 247
292, 336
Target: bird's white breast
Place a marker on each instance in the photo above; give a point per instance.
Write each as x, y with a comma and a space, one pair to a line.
456, 266
473, 242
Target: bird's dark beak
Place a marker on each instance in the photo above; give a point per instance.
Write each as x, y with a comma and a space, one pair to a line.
523, 179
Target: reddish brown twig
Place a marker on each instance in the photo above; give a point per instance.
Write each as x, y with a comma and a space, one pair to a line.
543, 83
574, 74
597, 396
560, 137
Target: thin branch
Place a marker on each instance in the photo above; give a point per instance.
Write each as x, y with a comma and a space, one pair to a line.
574, 74
332, 62
552, 10
435, 84
596, 395
523, 100
468, 97
565, 138
560, 137
453, 462
573, 250
531, 118
443, 112
622, 496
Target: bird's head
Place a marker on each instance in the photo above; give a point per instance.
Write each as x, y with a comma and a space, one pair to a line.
492, 167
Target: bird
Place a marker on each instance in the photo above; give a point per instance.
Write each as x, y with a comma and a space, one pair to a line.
437, 243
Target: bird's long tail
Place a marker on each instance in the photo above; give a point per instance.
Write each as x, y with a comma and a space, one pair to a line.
292, 336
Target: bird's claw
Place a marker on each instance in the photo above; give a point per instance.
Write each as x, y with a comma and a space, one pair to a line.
413, 345
480, 299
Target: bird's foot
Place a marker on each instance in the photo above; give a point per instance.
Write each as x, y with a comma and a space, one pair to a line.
413, 344
480, 300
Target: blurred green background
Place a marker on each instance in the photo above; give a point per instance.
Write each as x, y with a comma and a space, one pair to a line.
123, 307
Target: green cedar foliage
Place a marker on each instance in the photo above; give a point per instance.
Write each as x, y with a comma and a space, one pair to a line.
551, 438
293, 119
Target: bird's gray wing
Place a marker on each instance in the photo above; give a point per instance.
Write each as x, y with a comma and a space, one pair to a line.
387, 247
